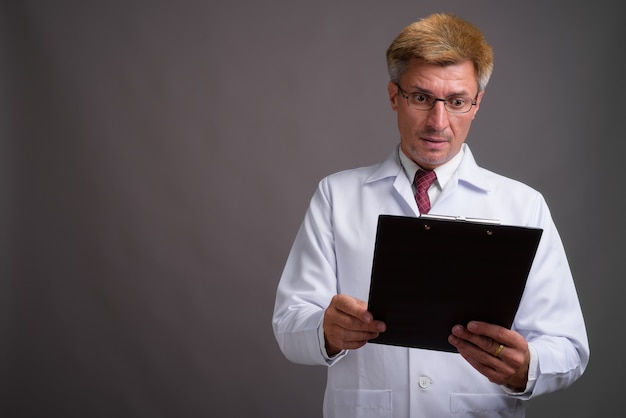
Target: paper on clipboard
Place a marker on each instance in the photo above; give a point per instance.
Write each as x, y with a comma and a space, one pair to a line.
431, 273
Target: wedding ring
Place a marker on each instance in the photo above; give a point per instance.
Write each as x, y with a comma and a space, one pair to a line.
498, 351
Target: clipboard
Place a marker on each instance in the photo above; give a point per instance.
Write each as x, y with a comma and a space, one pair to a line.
433, 272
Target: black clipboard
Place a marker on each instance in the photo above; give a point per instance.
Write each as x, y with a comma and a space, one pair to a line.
429, 274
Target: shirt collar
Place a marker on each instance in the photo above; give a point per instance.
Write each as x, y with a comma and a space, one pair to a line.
444, 172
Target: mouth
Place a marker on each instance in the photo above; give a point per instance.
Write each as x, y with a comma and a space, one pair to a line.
434, 140
437, 142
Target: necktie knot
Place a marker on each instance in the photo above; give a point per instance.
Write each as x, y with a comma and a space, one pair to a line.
423, 180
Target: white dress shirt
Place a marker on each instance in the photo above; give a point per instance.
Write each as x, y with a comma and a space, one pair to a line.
444, 173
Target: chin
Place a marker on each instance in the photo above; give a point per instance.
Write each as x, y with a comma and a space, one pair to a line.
430, 161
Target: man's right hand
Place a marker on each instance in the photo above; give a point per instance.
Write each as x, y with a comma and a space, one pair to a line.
348, 324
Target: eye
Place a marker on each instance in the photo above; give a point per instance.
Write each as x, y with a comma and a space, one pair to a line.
420, 98
457, 102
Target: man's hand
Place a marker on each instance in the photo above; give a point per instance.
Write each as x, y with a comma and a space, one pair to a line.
348, 324
480, 344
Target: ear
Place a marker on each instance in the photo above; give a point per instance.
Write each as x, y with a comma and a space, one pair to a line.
392, 89
478, 100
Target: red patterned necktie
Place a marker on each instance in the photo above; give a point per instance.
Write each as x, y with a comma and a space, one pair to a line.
423, 180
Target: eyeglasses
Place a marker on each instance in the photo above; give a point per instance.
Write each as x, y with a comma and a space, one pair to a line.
426, 101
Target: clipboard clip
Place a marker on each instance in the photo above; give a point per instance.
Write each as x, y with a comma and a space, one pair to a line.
461, 219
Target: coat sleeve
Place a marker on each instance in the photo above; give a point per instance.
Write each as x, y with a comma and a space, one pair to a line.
307, 285
549, 316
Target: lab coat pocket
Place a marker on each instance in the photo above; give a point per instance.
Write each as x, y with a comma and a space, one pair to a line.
485, 405
362, 403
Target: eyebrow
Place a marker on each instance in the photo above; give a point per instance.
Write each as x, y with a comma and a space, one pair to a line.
417, 89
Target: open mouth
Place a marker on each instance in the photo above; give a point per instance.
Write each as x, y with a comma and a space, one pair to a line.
435, 141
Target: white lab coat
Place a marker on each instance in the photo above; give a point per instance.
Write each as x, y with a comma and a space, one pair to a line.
332, 253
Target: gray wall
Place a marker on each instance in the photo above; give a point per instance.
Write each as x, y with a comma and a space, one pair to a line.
157, 158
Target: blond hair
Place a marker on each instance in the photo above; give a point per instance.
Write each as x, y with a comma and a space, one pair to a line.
441, 39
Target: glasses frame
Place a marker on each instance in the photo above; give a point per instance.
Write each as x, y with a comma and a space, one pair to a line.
405, 95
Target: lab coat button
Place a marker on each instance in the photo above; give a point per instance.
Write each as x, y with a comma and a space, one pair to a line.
424, 382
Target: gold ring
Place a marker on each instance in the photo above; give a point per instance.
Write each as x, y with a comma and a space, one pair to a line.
498, 351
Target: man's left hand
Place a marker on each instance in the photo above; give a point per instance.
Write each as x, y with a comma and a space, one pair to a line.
498, 353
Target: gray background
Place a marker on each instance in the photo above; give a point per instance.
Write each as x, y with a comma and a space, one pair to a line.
157, 159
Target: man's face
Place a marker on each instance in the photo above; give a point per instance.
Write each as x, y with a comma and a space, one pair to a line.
433, 137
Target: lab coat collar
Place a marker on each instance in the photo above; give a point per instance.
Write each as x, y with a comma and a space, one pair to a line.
468, 173
391, 167
471, 174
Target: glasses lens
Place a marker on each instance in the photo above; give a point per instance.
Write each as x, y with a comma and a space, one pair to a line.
458, 104
421, 101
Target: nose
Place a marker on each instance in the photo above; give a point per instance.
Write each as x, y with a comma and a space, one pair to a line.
438, 116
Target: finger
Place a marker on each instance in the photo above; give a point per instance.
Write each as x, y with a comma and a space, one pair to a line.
495, 369
341, 334
470, 339
355, 315
497, 334
499, 350
482, 348
353, 307
479, 344
492, 339
473, 345
495, 373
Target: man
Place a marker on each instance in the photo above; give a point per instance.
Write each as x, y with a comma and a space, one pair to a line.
439, 68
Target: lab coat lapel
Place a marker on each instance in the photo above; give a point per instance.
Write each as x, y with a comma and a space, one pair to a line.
469, 174
392, 169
